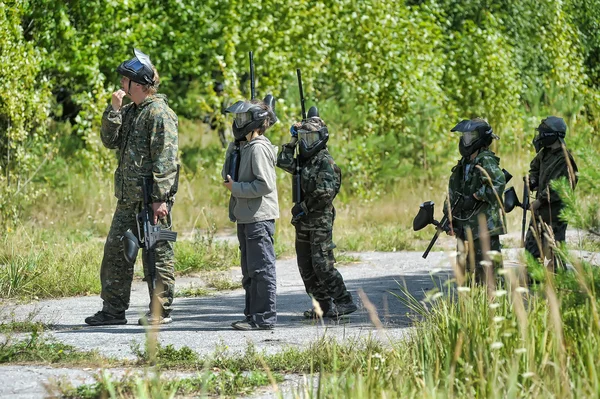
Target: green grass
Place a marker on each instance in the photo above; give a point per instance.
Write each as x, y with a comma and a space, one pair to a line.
192, 292
24, 327
38, 350
222, 383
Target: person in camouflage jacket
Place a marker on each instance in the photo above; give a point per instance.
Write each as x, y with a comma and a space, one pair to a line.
475, 188
551, 162
145, 135
313, 218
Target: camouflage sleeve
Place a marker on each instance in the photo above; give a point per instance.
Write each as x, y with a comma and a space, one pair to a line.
286, 160
163, 149
327, 183
110, 131
534, 170
490, 191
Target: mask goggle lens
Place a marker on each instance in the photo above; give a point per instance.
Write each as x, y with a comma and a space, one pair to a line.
133, 65
243, 119
309, 137
469, 137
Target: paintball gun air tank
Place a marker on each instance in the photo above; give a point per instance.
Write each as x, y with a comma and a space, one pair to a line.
296, 182
234, 157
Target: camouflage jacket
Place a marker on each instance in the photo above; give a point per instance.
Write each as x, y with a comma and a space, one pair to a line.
548, 165
145, 136
321, 180
476, 182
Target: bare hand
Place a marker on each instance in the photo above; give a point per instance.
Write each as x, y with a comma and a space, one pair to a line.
228, 183
160, 210
117, 99
535, 205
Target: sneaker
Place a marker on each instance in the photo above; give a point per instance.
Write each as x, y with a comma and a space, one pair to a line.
103, 318
344, 308
148, 319
246, 325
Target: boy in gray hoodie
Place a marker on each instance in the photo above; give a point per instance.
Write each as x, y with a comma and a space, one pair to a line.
253, 205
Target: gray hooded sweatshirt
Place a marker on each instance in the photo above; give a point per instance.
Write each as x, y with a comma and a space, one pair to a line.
254, 195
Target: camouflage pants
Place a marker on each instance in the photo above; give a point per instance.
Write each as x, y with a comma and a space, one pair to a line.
559, 230
116, 274
464, 257
322, 281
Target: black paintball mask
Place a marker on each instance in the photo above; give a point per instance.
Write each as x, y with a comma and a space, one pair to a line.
249, 116
549, 131
476, 134
312, 135
138, 69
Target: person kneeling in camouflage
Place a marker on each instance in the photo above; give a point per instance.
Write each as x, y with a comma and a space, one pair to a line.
475, 188
313, 218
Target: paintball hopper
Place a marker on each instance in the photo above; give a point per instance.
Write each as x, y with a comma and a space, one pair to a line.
424, 217
312, 111
507, 175
131, 246
511, 200
270, 101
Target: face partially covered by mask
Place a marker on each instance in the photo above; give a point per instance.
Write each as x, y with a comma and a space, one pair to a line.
313, 136
549, 131
475, 134
249, 116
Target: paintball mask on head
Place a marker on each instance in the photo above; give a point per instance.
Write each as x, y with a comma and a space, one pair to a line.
476, 134
249, 116
313, 136
551, 129
138, 69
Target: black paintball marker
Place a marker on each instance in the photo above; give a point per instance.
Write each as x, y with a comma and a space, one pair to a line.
425, 217
150, 234
511, 201
296, 178
234, 156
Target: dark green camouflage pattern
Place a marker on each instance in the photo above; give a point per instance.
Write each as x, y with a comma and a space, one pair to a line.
116, 274
489, 192
322, 281
321, 179
146, 138
548, 165
320, 183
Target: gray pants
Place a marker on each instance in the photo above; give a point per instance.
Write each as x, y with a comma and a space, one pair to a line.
258, 271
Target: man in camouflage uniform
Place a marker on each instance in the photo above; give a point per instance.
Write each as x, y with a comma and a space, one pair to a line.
145, 134
313, 218
475, 188
549, 164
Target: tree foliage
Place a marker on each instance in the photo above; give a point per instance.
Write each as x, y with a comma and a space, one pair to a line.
406, 70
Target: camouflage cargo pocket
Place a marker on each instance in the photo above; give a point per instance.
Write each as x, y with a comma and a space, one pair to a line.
327, 248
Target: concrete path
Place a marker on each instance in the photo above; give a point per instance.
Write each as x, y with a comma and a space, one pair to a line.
203, 323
